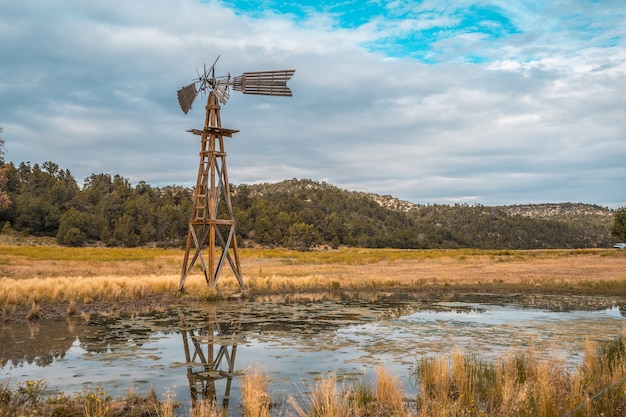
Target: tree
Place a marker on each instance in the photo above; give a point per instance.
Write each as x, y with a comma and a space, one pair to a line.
44, 195
71, 228
619, 224
303, 236
4, 198
125, 231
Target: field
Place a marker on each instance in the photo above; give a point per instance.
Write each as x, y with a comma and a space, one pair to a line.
47, 280
43, 281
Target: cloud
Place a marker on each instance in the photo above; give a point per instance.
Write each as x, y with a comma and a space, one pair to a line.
487, 102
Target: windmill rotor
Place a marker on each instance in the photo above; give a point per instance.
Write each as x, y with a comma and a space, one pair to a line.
265, 83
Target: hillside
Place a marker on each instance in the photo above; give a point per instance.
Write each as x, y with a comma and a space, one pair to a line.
370, 220
46, 201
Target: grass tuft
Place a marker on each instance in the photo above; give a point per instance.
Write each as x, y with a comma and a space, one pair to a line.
72, 309
325, 400
256, 401
8, 311
34, 313
519, 384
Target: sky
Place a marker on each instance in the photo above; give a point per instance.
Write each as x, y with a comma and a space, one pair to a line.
493, 102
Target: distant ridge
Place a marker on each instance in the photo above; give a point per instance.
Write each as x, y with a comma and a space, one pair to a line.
558, 210
358, 218
562, 211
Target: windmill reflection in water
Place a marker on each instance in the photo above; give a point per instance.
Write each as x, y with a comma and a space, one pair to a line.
210, 351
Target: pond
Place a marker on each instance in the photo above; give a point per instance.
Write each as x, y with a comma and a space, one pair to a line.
198, 350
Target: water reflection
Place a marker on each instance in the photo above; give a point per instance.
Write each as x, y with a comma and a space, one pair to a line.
210, 352
35, 343
298, 338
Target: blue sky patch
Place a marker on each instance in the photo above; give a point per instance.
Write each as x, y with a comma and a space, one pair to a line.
430, 27
348, 14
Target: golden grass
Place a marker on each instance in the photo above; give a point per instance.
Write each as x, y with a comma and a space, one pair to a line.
324, 400
520, 384
255, 399
389, 394
84, 289
60, 274
330, 399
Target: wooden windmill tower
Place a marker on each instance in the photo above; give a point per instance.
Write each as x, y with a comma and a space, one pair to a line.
212, 223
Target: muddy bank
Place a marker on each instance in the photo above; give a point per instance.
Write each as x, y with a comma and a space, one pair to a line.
536, 296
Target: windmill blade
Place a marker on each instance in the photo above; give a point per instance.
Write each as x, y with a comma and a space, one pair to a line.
265, 83
212, 68
221, 91
186, 96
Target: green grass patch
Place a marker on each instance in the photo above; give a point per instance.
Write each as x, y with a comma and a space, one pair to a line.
350, 256
60, 253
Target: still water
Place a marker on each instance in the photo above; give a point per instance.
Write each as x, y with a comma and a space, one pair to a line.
193, 351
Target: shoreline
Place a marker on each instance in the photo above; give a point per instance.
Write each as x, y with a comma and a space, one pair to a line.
58, 310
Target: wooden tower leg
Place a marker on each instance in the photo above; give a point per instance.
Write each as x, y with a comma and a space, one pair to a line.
212, 223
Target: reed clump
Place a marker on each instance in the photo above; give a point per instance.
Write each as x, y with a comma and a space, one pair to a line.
326, 399
520, 384
256, 401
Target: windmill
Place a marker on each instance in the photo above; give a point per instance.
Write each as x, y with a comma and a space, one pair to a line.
212, 223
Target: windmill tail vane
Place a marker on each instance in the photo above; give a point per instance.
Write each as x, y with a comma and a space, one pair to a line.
264, 83
186, 97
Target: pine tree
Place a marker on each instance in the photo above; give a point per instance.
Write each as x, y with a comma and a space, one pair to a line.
619, 224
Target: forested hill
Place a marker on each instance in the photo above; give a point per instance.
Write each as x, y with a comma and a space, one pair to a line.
369, 220
46, 201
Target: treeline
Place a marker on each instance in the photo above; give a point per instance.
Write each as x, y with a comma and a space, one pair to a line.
47, 201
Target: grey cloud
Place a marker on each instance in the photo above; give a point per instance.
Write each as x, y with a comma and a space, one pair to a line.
92, 87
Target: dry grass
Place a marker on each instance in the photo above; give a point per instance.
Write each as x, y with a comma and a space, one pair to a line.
329, 399
256, 401
84, 289
389, 395
206, 408
520, 384
34, 313
324, 400
59, 274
